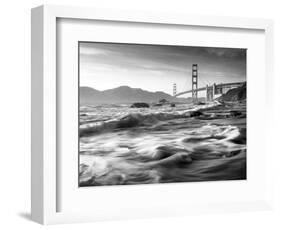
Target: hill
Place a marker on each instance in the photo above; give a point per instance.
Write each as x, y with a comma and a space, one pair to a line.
235, 95
123, 94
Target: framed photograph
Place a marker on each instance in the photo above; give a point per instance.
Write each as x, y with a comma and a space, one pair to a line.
140, 114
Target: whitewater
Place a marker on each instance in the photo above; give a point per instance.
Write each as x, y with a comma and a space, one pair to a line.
120, 145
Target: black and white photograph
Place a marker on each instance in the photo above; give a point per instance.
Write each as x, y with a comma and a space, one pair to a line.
152, 114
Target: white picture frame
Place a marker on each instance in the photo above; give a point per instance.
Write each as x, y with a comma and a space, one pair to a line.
45, 162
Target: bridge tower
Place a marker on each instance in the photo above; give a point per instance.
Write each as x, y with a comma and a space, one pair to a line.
194, 82
174, 89
210, 92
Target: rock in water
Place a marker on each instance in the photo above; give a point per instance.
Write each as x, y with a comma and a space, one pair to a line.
195, 114
140, 105
129, 121
235, 113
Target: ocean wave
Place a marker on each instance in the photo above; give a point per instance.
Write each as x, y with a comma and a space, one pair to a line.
139, 119
162, 145
209, 152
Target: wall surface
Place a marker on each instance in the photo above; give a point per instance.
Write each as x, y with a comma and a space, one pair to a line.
15, 113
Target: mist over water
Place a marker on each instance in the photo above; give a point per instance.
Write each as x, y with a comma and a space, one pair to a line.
123, 145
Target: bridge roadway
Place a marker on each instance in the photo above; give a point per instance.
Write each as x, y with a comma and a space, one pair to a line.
217, 86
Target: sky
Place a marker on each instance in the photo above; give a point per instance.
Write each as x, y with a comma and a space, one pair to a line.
157, 67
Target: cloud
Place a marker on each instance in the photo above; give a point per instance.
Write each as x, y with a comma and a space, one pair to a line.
226, 52
153, 63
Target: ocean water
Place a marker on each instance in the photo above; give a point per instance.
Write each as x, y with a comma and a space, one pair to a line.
120, 145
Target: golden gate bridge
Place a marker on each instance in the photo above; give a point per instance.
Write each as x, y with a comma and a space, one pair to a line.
211, 90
